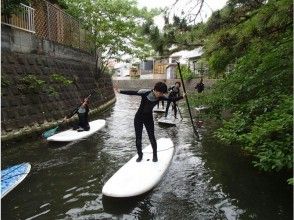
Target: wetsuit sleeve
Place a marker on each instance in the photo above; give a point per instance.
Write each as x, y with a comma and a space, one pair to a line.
129, 92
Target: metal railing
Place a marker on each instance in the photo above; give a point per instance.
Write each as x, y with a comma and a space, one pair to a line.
49, 22
53, 24
22, 19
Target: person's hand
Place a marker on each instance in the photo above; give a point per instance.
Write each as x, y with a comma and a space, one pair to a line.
184, 95
85, 102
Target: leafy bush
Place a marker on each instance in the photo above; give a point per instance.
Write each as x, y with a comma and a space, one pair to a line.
33, 83
186, 72
259, 91
61, 79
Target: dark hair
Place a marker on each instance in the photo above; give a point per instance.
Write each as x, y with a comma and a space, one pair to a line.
160, 87
178, 83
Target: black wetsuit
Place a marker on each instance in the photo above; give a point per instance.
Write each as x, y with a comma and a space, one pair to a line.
144, 117
174, 93
199, 87
83, 114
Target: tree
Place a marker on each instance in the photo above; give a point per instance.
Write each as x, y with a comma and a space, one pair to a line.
259, 91
256, 37
115, 27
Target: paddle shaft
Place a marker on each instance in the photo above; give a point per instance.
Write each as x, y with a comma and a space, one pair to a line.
187, 101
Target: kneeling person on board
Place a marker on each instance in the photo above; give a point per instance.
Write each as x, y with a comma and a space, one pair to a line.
174, 93
144, 116
82, 111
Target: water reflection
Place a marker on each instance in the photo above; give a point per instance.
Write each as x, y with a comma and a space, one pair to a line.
206, 180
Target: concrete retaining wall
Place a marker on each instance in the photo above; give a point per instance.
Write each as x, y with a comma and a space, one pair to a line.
136, 84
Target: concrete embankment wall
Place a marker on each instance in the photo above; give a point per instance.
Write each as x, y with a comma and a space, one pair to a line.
136, 84
41, 82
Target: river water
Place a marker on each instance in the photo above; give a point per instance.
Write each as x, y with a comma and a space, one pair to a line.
206, 180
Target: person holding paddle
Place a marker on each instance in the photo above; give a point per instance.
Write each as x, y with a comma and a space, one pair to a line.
174, 92
82, 111
144, 115
200, 86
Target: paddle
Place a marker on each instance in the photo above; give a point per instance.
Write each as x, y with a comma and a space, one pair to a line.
52, 131
187, 101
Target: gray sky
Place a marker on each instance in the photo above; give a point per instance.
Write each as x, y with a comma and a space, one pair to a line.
207, 9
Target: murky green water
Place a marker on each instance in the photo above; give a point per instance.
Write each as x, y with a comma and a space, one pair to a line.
206, 180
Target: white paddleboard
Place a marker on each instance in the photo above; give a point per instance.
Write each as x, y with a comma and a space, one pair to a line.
200, 108
73, 135
169, 120
12, 176
136, 178
155, 109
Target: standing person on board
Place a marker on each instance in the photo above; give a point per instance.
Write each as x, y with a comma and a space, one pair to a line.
200, 86
144, 116
162, 101
174, 93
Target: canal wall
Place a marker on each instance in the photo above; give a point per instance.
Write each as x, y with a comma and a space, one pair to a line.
42, 81
136, 84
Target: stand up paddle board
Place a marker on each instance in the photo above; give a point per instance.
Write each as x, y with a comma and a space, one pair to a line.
169, 120
73, 135
136, 178
159, 109
12, 176
200, 108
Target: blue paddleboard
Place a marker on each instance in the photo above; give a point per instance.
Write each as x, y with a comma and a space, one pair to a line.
12, 176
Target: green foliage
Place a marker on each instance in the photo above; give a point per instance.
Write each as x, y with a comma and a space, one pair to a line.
33, 83
186, 72
61, 79
12, 6
51, 91
291, 181
176, 32
116, 27
5, 82
259, 91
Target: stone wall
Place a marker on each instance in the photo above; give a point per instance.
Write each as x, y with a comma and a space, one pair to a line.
42, 81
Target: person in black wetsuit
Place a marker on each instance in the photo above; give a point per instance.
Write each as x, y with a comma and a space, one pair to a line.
82, 111
162, 101
200, 86
144, 115
174, 93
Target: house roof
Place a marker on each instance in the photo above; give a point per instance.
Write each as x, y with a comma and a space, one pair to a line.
188, 53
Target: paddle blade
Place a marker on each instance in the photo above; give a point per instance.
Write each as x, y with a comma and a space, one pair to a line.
49, 133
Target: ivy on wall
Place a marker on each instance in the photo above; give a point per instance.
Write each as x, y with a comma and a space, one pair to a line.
31, 83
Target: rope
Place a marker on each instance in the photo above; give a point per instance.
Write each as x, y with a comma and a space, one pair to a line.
158, 150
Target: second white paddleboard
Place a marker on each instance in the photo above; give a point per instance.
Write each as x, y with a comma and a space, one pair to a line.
73, 135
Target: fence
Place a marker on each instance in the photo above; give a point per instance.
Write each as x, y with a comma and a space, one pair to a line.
49, 22
23, 19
